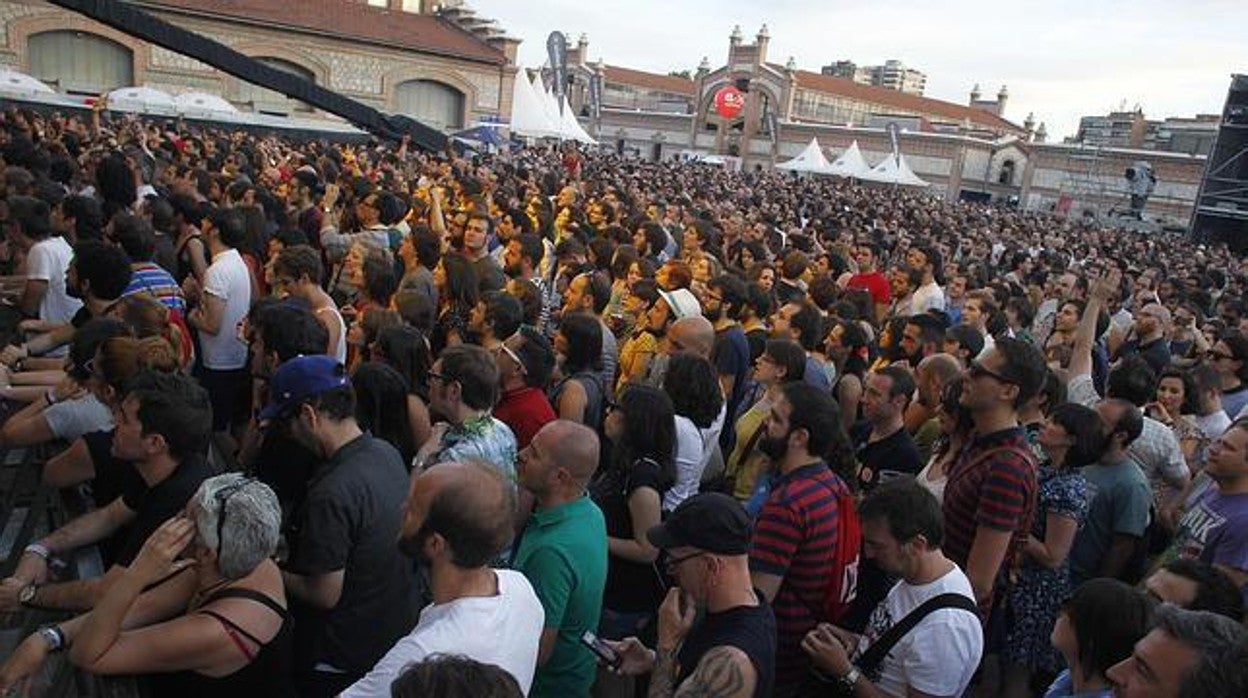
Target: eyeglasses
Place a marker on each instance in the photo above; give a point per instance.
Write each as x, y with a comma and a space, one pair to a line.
222, 498
1215, 355
978, 370
440, 377
514, 357
673, 562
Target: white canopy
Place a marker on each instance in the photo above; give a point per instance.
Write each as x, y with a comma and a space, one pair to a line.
850, 163
535, 113
528, 116
572, 127
144, 99
203, 102
809, 160
894, 170
15, 84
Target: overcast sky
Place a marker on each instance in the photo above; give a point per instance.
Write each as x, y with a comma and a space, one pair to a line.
1060, 58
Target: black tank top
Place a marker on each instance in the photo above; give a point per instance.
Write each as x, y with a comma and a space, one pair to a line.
268, 675
751, 629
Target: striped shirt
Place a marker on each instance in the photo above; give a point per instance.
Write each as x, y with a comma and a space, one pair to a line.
795, 538
998, 492
151, 278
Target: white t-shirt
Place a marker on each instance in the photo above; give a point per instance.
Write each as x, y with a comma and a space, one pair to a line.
927, 297
694, 448
940, 654
502, 630
227, 279
48, 260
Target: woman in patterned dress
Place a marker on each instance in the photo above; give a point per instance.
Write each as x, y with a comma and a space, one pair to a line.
1071, 439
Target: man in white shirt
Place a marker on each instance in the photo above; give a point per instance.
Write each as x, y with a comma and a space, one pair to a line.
902, 531
458, 517
929, 295
224, 303
47, 259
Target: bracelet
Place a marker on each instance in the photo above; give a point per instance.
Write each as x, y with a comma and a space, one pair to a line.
38, 549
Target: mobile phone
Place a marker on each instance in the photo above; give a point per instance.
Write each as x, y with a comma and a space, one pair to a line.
605, 654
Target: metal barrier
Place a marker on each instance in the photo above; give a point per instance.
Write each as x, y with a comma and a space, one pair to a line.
28, 511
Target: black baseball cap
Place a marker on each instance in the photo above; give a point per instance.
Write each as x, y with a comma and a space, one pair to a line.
711, 521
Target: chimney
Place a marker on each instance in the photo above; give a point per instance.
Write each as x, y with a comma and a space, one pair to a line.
1002, 97
975, 95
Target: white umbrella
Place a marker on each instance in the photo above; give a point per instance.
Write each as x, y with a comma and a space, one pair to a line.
203, 102
143, 99
15, 84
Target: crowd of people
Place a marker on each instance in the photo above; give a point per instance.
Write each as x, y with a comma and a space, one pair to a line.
364, 421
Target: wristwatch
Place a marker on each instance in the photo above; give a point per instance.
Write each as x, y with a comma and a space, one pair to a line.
850, 678
54, 636
27, 594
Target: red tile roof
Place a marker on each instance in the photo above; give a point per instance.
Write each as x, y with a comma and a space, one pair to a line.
899, 100
350, 19
649, 81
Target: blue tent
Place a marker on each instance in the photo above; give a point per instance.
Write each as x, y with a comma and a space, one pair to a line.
485, 134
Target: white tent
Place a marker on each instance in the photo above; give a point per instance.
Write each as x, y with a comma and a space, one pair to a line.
528, 115
15, 84
894, 170
572, 128
809, 160
850, 163
143, 99
535, 113
203, 102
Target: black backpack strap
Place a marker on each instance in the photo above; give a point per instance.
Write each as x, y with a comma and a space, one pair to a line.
871, 658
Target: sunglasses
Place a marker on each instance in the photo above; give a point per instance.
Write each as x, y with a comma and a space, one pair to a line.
978, 370
674, 562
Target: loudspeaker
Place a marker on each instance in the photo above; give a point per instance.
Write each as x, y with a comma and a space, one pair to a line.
1221, 211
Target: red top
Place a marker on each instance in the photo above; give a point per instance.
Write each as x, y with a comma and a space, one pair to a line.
526, 411
874, 283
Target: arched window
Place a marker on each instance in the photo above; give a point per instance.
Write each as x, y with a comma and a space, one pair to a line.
268, 101
80, 62
1006, 176
437, 104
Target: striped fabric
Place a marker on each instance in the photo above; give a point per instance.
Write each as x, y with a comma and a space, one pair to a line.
150, 278
795, 538
997, 492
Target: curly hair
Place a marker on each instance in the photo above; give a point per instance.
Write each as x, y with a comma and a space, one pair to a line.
693, 384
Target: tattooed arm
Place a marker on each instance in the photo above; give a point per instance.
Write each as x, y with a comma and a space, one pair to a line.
724, 672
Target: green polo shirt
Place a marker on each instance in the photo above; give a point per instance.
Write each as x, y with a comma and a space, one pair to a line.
563, 552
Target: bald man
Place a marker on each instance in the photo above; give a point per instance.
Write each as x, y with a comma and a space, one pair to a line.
691, 335
457, 520
932, 375
688, 335
563, 552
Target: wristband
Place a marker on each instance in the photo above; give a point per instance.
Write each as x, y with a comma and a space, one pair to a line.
50, 396
38, 549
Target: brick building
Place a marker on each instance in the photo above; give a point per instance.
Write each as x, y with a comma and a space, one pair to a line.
438, 69
966, 151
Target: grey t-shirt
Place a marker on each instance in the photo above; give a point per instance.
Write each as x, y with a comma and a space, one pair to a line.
1120, 501
72, 418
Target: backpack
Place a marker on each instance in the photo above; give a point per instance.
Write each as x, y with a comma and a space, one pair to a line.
844, 587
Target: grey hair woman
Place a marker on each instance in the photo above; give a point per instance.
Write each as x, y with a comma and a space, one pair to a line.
213, 618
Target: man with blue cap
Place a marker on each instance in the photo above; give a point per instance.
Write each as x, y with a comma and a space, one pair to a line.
352, 591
